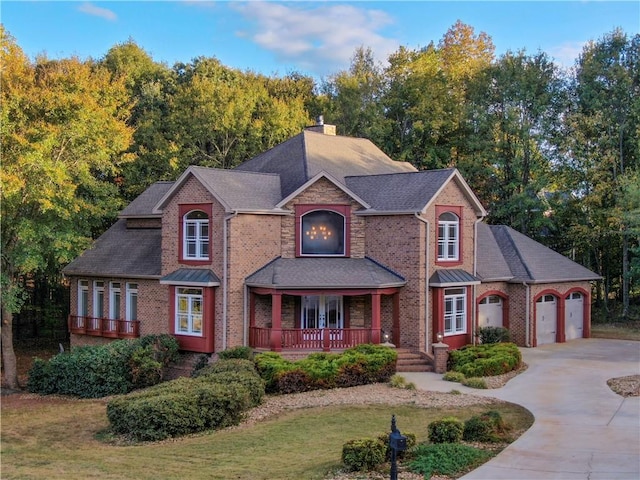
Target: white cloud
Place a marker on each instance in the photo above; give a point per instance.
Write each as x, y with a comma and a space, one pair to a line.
91, 9
322, 38
566, 54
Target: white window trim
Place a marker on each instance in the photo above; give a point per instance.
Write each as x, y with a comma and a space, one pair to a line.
189, 313
98, 288
132, 290
114, 313
201, 251
446, 241
455, 329
83, 298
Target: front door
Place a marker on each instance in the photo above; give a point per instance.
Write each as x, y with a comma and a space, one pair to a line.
322, 311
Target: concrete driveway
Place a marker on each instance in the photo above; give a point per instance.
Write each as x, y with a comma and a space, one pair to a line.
582, 430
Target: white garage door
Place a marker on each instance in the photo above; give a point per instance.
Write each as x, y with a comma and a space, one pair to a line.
546, 319
490, 312
573, 316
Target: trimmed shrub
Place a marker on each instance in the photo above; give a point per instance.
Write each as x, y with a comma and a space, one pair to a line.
446, 459
177, 408
475, 382
250, 380
453, 377
485, 360
355, 366
363, 454
487, 427
294, 381
489, 335
245, 353
446, 430
98, 371
237, 365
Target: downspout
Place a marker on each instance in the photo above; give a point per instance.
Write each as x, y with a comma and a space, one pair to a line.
426, 281
474, 316
527, 312
225, 275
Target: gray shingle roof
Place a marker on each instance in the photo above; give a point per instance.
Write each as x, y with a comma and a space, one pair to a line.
142, 206
121, 252
235, 190
324, 273
304, 156
452, 276
401, 192
490, 262
530, 261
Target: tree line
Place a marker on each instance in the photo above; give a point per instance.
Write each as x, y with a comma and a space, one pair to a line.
552, 152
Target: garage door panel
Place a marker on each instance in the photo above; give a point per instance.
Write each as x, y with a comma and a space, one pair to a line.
574, 316
546, 320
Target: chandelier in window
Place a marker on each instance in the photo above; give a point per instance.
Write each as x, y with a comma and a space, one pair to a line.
320, 233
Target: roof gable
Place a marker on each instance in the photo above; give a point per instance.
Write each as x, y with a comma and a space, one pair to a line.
314, 180
236, 191
409, 192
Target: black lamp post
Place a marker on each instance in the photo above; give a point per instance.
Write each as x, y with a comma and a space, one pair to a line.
397, 443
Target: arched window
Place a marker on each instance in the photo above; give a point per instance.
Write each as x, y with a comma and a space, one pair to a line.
196, 235
322, 233
448, 237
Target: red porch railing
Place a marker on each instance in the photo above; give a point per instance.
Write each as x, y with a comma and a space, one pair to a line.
104, 327
325, 339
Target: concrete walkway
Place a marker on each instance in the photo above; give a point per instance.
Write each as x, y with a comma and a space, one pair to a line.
582, 430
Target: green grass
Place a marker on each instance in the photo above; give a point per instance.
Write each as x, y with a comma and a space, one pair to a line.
616, 330
60, 439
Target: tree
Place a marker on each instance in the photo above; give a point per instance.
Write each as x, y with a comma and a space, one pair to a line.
516, 107
63, 133
354, 97
602, 143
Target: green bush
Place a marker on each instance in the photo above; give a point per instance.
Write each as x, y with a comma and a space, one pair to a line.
237, 365
398, 381
363, 454
98, 371
453, 377
355, 366
411, 442
475, 382
250, 380
245, 353
177, 408
485, 360
447, 459
489, 335
487, 427
446, 430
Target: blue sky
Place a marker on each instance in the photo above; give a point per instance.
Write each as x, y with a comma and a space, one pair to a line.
315, 38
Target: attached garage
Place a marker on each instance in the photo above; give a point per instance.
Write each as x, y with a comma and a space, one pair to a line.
546, 319
574, 316
490, 311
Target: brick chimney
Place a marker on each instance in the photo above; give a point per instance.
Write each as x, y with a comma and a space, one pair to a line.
321, 127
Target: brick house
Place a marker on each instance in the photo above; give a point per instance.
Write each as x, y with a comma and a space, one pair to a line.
318, 244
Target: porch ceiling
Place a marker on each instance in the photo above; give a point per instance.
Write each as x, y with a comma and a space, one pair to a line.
324, 273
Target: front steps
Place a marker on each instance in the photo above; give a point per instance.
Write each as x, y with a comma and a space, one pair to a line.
409, 361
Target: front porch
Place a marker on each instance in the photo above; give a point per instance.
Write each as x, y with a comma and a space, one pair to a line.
310, 339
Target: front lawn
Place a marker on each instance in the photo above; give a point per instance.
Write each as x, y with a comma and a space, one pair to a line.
62, 438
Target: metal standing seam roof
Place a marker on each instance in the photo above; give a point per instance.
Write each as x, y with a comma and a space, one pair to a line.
324, 273
200, 277
452, 277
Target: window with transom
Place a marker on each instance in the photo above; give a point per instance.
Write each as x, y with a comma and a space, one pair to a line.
195, 236
448, 237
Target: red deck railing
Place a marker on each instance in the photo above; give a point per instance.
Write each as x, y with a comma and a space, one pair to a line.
104, 327
325, 339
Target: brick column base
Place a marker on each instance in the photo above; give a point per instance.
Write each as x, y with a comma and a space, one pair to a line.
441, 354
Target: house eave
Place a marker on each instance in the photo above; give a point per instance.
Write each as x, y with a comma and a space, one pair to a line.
111, 275
453, 284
